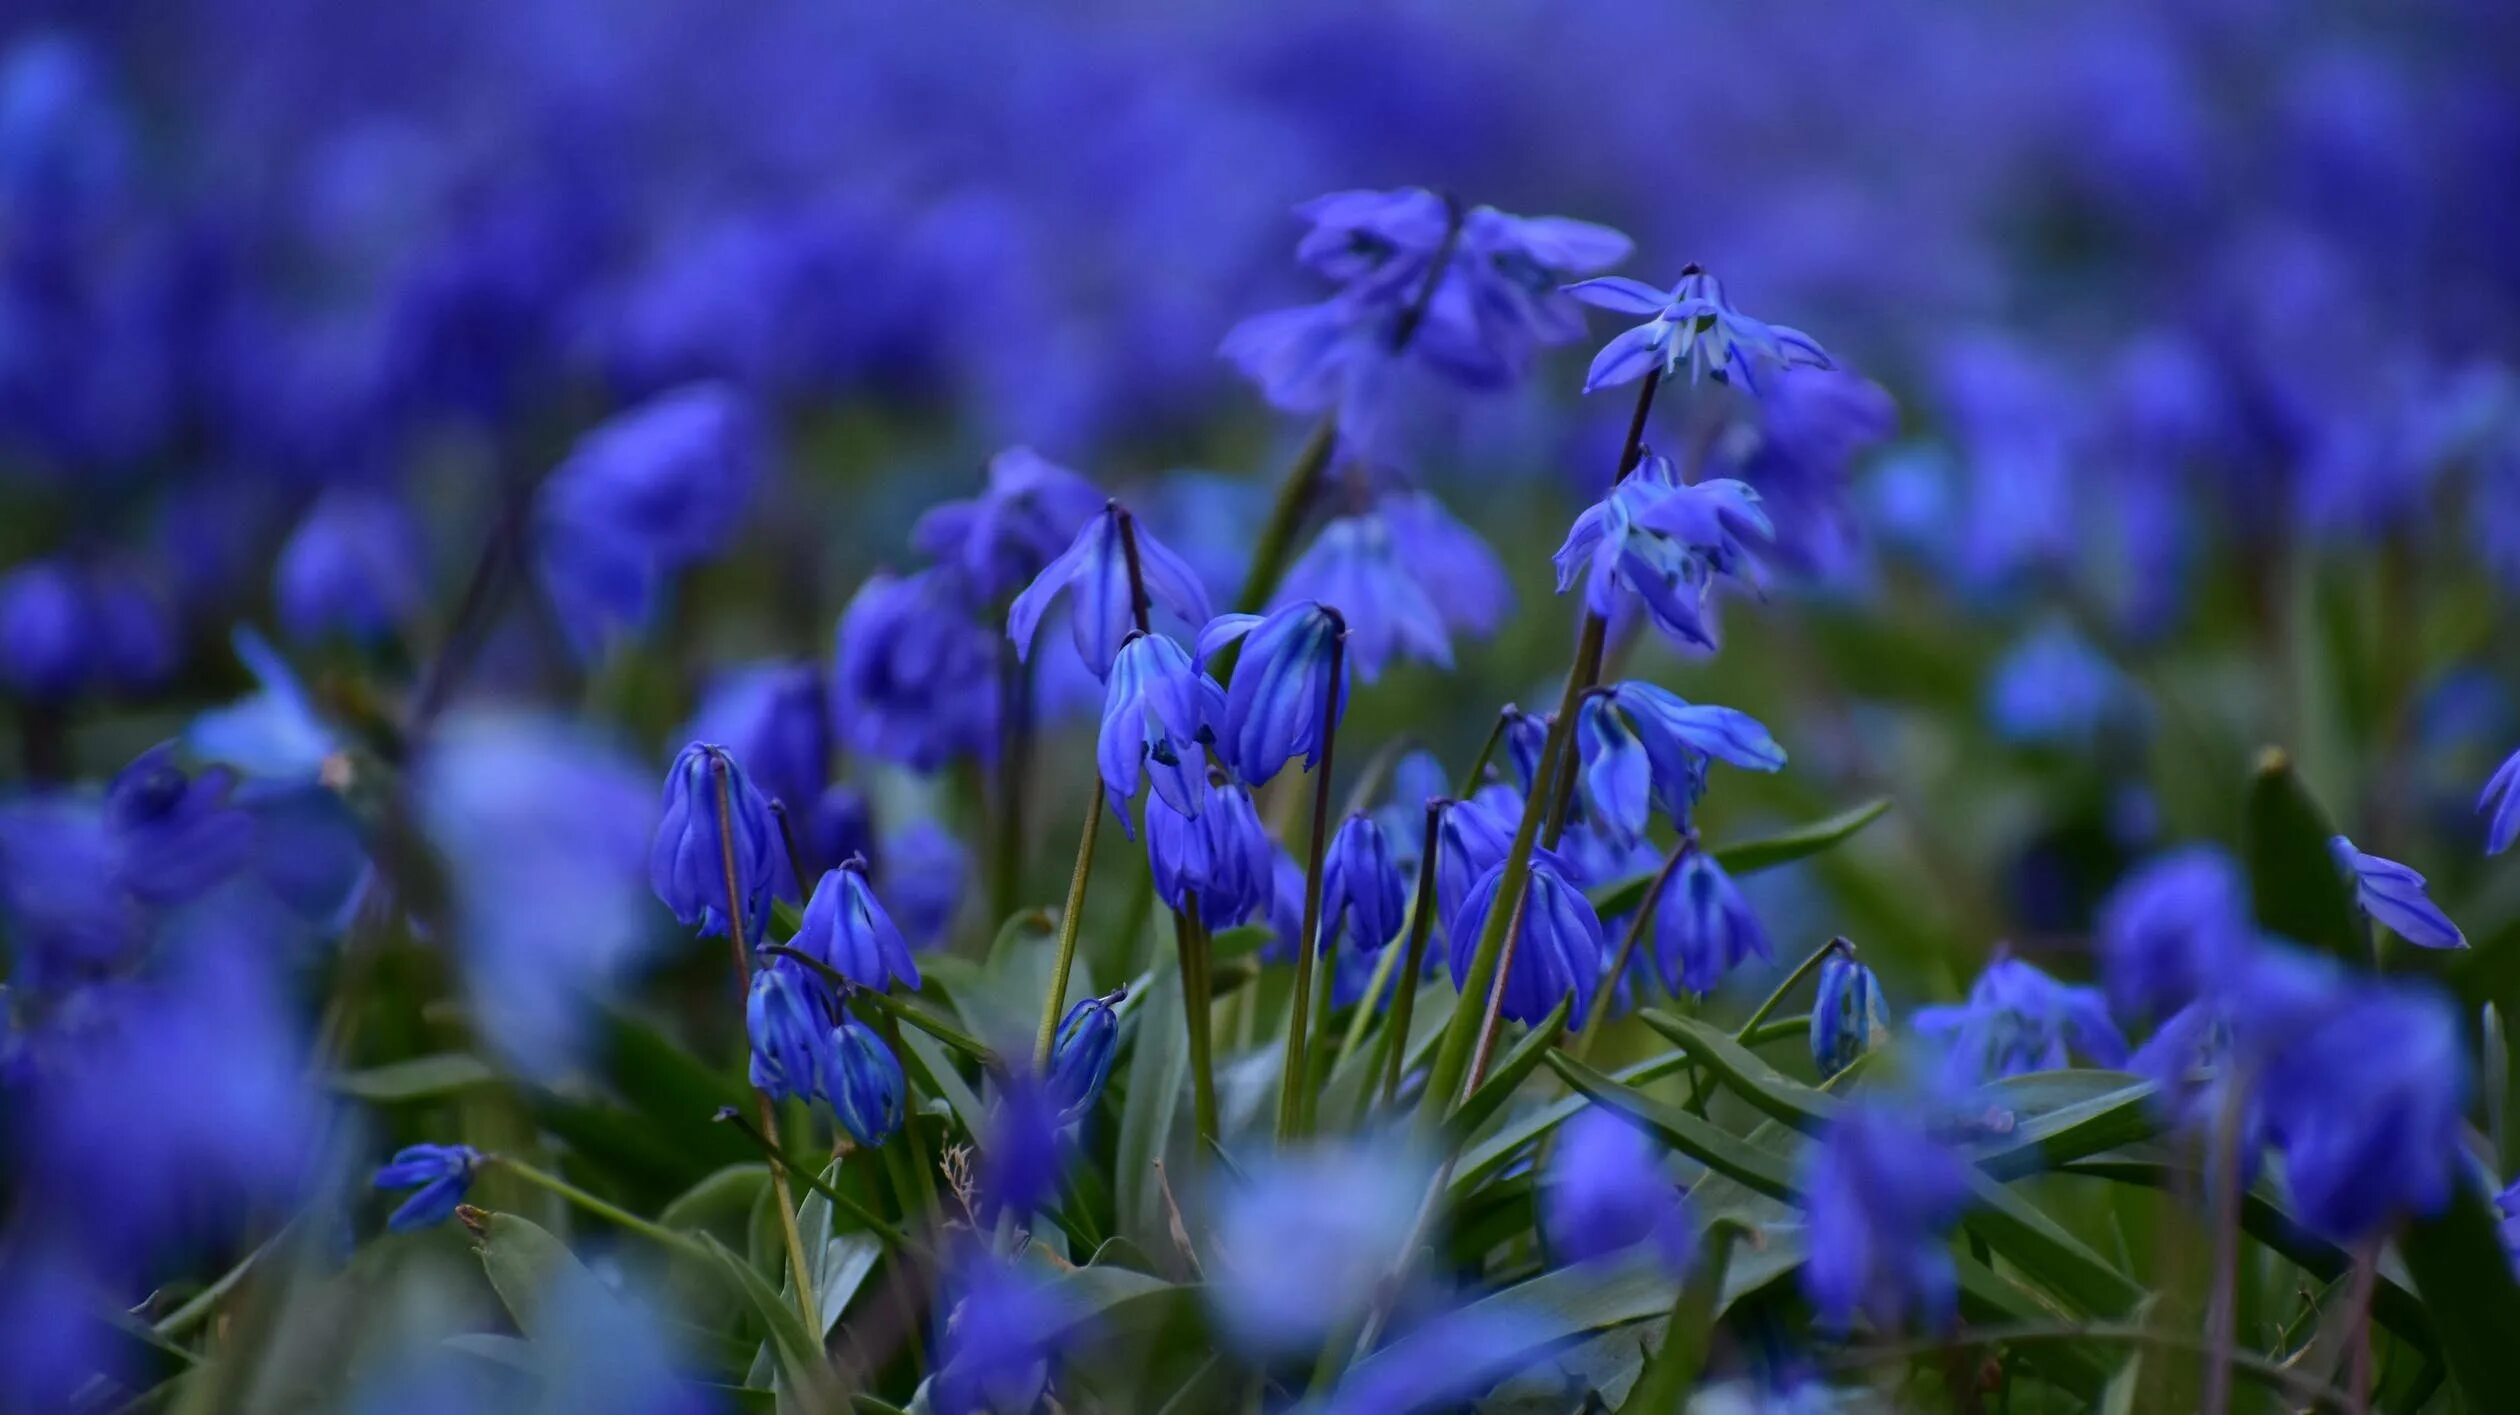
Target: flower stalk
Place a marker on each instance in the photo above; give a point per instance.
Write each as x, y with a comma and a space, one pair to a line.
1293, 1106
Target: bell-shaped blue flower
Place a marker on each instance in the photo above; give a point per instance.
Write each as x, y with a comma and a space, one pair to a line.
440, 1172
1666, 544
862, 1081
1561, 950
1001, 1327
1080, 1060
1606, 1191
1693, 326
1676, 739
1526, 735
846, 927
47, 639
1352, 567
1618, 777
1471, 838
176, 834
1157, 711
1878, 1196
2393, 895
2504, 827
1223, 855
2368, 1106
914, 679
1103, 609
1281, 703
715, 825
2169, 928
1029, 512
1458, 570
787, 1022
1703, 928
1848, 1016
1361, 886
2019, 1019
354, 567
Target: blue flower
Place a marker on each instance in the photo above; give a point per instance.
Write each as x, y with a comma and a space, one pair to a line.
1457, 569
275, 734
915, 676
1223, 854
1417, 781
1001, 1326
689, 862
1878, 1196
2393, 895
786, 1022
47, 635
1679, 738
840, 826
1692, 326
2505, 825
2055, 690
771, 716
2368, 1105
1157, 711
1022, 1156
1561, 951
1471, 838
2019, 1019
927, 872
1088, 1038
1848, 1016
353, 566
862, 1081
176, 834
2172, 926
1606, 1191
1444, 1361
1031, 510
1281, 702
1103, 610
1361, 886
1352, 567
1308, 1238
1617, 775
846, 927
1703, 928
441, 1173
1665, 543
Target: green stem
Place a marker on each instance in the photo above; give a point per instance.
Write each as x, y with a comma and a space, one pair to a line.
1293, 1100
1198, 1009
1276, 546
1686, 1334
1368, 1007
1395, 1034
604, 1209
1472, 779
1055, 1003
779, 1162
1802, 970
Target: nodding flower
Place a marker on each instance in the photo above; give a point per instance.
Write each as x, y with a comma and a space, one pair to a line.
1080, 1060
862, 1082
1848, 1017
1665, 542
1282, 702
1158, 712
1703, 928
1691, 326
1109, 563
713, 815
1361, 885
441, 1172
1561, 953
846, 927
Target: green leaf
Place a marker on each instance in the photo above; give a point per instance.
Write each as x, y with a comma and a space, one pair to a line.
800, 1357
1507, 1076
842, 1257
2457, 1260
1748, 857
1158, 1074
526, 1266
1675, 1366
724, 1198
934, 1074
417, 1079
2293, 882
1238, 941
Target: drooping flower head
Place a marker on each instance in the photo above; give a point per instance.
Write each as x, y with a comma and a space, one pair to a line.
1361, 887
1693, 326
1223, 855
1080, 1060
1031, 510
788, 1024
717, 825
354, 566
1879, 1193
1158, 711
2367, 1102
1560, 954
441, 1174
862, 1082
1641, 744
914, 679
1703, 928
1282, 702
2393, 895
1848, 1017
1606, 1191
2019, 1019
846, 927
1002, 1328
2171, 926
1351, 566
1665, 542
1110, 557
176, 833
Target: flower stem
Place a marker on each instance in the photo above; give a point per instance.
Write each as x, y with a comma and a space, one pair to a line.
1802, 970
1637, 925
913, 1145
1054, 1004
604, 1209
1292, 1098
1421, 924
876, 1223
1471, 779
1014, 764
1198, 1009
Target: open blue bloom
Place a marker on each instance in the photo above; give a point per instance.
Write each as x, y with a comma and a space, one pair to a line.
1281, 703
1223, 854
1606, 1191
862, 1082
354, 566
1692, 326
2171, 927
441, 1173
1002, 1327
1158, 710
1561, 951
1103, 610
1080, 1060
915, 677
1458, 570
786, 1021
2505, 824
276, 734
1638, 735
1848, 1016
2054, 689
1307, 1238
2368, 1104
1703, 928
1361, 886
1665, 543
846, 927
176, 834
2019, 1019
1879, 1194
1353, 568
689, 864
1618, 777
1030, 511
2393, 895
772, 717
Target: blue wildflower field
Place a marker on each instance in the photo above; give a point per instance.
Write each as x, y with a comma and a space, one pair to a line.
1503, 707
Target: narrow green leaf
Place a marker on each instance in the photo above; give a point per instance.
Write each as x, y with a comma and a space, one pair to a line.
2293, 883
1747, 857
725, 1197
1493, 1153
2457, 1260
417, 1079
1508, 1075
526, 1265
1158, 1075
799, 1355
1689, 1333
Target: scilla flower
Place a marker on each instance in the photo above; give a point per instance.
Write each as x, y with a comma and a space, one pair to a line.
1606, 1192
1030, 511
1103, 609
441, 1173
2505, 825
1157, 710
914, 679
771, 716
1471, 838
2393, 895
1692, 326
1664, 543
1280, 704
1223, 856
846, 927
690, 861
1639, 743
785, 1021
1561, 950
1703, 928
1459, 571
1361, 886
2172, 925
353, 566
1879, 1194
862, 1081
2019, 1019
1088, 1038
1848, 1017
2367, 1104
1351, 567
1001, 1328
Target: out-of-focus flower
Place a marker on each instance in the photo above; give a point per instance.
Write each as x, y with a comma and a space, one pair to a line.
1361, 886
1879, 1194
2393, 895
1157, 711
1445, 1360
47, 637
862, 1080
1417, 781
1100, 566
1030, 511
1561, 950
926, 872
1606, 1191
1022, 1156
1458, 570
177, 833
785, 1022
915, 677
841, 825
441, 1173
1003, 1327
353, 567
1303, 1244
275, 734
2367, 1104
717, 825
2019, 1019
1282, 701
1224, 854
1666, 543
1353, 568
1080, 1060
771, 717
1703, 928
1692, 326
1638, 741
2507, 1208
2504, 827
2055, 690
1848, 1017
846, 927
2171, 926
